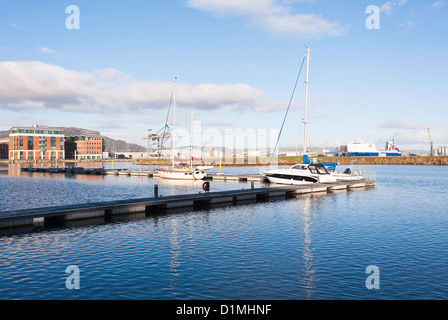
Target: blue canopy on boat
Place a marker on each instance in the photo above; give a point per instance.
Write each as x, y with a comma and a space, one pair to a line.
331, 166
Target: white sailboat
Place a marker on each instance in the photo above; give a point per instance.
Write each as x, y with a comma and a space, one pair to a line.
182, 174
180, 171
303, 173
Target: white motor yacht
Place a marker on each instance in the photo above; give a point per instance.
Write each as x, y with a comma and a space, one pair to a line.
299, 174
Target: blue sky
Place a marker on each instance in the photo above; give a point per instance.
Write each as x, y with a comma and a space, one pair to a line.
237, 62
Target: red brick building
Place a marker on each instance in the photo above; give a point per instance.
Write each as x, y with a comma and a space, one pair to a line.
36, 143
90, 148
4, 147
84, 147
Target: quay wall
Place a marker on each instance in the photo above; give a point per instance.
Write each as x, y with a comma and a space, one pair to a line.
289, 161
282, 161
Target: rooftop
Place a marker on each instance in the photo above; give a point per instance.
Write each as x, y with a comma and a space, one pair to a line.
67, 132
35, 129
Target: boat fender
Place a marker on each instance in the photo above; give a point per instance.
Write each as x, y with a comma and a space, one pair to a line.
206, 186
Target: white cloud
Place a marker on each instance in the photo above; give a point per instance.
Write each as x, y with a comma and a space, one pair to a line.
408, 25
416, 138
46, 50
402, 124
34, 85
17, 27
388, 7
272, 16
415, 134
438, 4
247, 7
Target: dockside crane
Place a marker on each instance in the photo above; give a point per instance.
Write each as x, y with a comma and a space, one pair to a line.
431, 152
156, 140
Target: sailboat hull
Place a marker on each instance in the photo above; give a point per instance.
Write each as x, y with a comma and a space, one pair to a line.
181, 174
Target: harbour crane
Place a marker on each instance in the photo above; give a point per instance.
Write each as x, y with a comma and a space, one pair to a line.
431, 152
156, 140
212, 152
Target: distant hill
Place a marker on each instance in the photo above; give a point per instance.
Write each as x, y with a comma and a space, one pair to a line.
121, 146
110, 144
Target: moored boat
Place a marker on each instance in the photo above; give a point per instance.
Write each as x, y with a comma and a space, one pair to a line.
307, 172
360, 149
348, 175
300, 174
181, 171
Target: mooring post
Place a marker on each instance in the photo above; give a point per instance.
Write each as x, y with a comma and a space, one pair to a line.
252, 183
156, 191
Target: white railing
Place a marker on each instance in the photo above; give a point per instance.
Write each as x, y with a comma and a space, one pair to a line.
368, 175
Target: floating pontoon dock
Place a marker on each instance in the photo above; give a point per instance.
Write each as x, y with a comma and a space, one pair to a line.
150, 206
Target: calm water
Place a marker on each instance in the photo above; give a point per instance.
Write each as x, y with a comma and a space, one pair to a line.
312, 247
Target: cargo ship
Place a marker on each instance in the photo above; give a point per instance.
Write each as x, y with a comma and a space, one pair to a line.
361, 149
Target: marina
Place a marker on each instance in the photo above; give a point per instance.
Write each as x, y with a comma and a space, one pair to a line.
217, 151
285, 246
216, 176
150, 206
219, 176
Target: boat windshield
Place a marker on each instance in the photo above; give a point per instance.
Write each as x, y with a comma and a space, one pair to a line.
299, 167
318, 169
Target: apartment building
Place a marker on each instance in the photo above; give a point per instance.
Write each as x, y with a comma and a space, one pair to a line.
36, 143
4, 147
85, 147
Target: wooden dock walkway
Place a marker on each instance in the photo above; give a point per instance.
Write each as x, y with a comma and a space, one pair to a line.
237, 177
149, 206
94, 171
217, 176
65, 170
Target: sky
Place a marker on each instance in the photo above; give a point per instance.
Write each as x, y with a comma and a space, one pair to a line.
236, 63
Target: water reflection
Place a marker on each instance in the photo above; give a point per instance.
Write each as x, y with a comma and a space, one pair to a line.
312, 247
176, 184
310, 208
17, 172
174, 255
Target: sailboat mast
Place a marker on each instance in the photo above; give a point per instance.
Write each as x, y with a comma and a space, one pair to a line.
305, 120
173, 134
191, 140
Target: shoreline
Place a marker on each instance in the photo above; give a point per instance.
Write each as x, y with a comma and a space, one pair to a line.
282, 161
290, 161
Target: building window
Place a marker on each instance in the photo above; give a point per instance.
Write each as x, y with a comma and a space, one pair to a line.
53, 143
30, 143
42, 143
